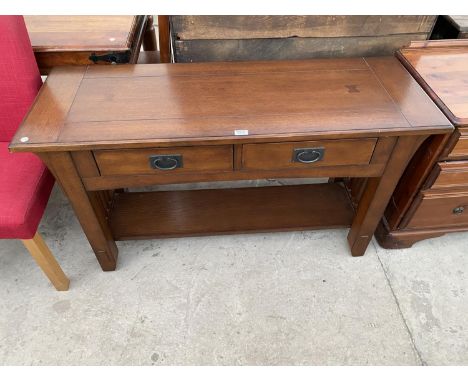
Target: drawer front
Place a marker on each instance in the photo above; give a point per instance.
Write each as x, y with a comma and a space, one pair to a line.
270, 156
460, 150
451, 175
441, 210
164, 160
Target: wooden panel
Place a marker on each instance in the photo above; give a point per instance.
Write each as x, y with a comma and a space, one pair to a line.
207, 103
289, 48
413, 179
122, 181
443, 73
415, 104
279, 155
182, 213
85, 163
460, 150
54, 33
194, 97
248, 27
71, 40
451, 174
195, 159
437, 210
49, 111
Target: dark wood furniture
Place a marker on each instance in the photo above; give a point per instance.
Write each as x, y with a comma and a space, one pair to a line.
102, 129
460, 23
235, 38
84, 40
432, 197
450, 27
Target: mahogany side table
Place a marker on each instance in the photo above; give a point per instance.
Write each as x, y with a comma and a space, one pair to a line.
102, 129
84, 40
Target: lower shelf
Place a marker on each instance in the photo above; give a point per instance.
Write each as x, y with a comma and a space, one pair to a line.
206, 212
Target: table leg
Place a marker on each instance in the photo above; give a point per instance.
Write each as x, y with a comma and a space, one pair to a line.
377, 194
149, 37
91, 207
164, 39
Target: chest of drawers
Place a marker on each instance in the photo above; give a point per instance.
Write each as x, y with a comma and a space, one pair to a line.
432, 197
103, 129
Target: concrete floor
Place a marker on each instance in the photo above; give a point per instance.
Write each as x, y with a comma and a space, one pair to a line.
266, 299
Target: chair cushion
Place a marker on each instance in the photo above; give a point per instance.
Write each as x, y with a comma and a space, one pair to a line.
19, 76
25, 186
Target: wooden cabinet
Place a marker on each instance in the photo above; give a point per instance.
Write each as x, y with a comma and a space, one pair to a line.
432, 197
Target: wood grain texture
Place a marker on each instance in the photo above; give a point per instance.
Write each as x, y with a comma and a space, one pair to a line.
271, 156
88, 206
460, 147
192, 213
443, 73
71, 40
47, 115
250, 27
164, 39
203, 103
438, 210
423, 202
53, 33
289, 48
450, 175
412, 180
40, 252
122, 181
195, 159
377, 193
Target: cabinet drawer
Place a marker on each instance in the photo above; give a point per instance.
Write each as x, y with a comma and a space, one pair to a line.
441, 210
164, 160
270, 156
460, 150
450, 175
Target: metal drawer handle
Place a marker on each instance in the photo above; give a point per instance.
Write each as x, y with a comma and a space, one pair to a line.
308, 155
165, 162
458, 210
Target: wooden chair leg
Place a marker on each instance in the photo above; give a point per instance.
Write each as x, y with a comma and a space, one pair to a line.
44, 258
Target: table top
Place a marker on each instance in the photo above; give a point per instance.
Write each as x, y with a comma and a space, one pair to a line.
177, 104
97, 33
443, 72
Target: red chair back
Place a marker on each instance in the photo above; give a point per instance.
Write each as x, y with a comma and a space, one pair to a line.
19, 76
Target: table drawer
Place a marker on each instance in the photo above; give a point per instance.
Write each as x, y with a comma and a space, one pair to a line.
270, 156
165, 160
450, 175
441, 210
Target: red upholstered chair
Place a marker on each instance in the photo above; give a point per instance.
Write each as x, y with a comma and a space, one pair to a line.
25, 183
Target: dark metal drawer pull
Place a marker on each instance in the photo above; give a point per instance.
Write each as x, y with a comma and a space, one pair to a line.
309, 155
166, 162
458, 210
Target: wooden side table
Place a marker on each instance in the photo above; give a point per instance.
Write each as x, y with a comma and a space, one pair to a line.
103, 128
84, 40
432, 197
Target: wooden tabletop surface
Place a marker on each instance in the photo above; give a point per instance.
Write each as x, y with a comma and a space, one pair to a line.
443, 73
59, 33
167, 104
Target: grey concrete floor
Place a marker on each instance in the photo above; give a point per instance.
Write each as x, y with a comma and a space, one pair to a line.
293, 298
